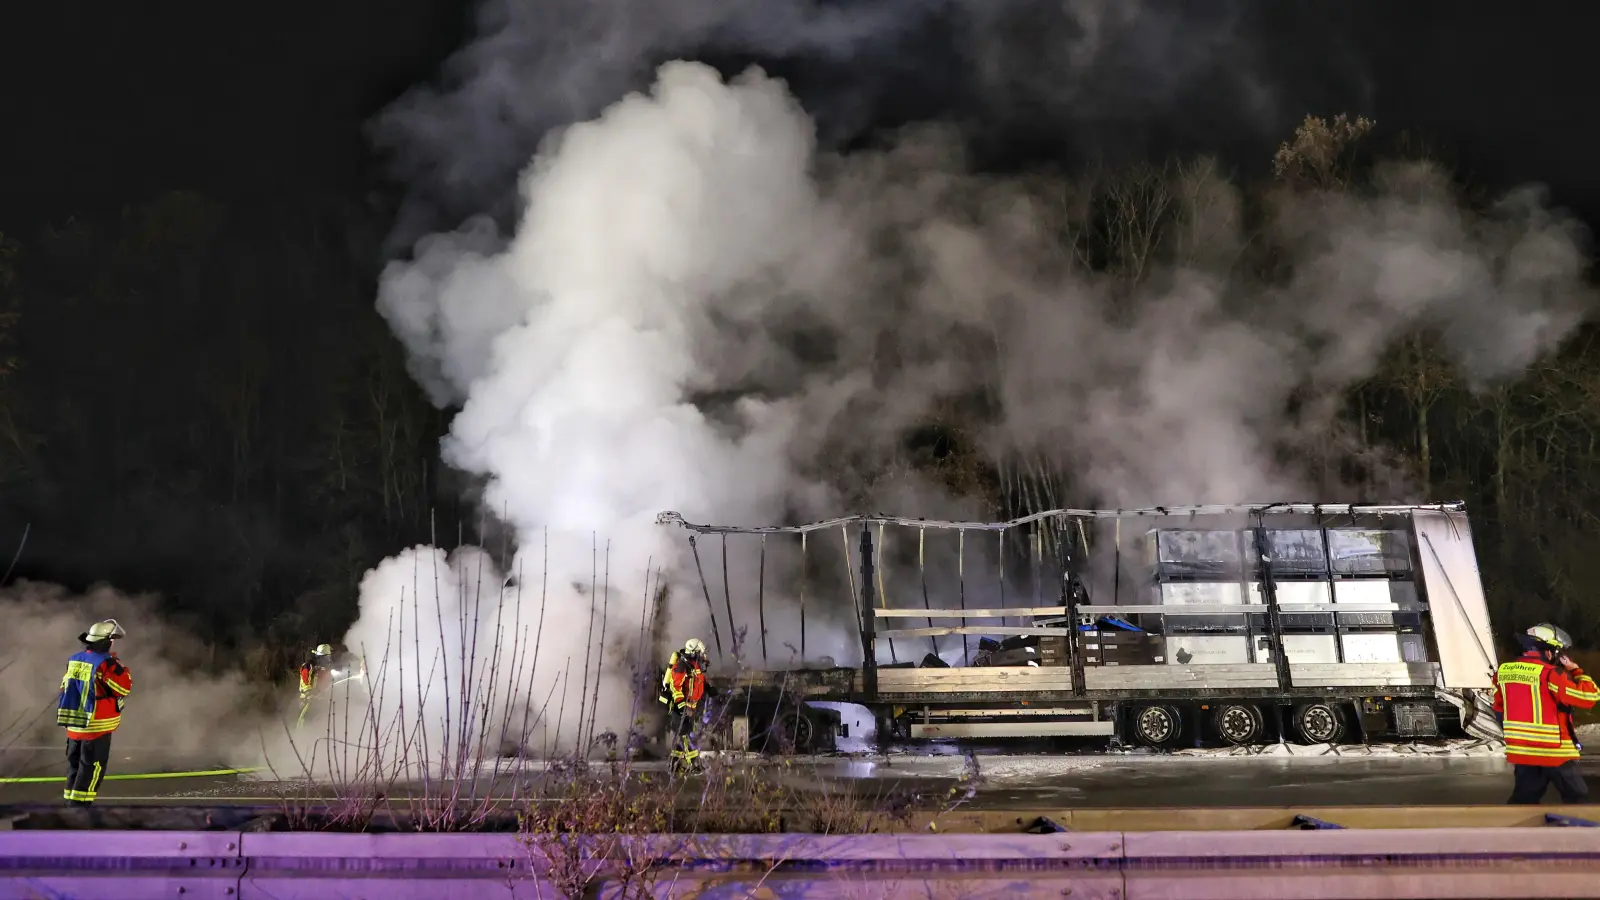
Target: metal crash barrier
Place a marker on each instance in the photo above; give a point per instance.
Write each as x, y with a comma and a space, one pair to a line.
1319, 859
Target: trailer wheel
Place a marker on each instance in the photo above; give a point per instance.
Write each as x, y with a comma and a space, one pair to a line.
794, 731
1318, 723
1237, 723
1155, 726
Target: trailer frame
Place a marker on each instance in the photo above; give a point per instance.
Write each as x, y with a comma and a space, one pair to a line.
979, 701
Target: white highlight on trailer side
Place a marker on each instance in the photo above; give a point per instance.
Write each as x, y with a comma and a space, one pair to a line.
1456, 603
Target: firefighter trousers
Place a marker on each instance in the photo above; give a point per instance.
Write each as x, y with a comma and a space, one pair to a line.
1532, 782
86, 765
681, 739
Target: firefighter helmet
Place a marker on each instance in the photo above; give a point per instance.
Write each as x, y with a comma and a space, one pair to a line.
322, 650
102, 631
1545, 636
694, 647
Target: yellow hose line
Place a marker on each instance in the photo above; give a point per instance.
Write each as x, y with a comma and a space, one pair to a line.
143, 777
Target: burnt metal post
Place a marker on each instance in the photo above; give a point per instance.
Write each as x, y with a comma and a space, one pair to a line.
1333, 591
1069, 599
1269, 593
869, 620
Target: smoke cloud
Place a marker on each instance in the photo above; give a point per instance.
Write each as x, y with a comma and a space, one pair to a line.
176, 718
459, 144
702, 311
1105, 76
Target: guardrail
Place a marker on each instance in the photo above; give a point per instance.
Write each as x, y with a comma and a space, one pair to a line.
1326, 862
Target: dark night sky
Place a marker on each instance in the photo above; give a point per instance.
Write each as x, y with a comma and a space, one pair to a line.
106, 104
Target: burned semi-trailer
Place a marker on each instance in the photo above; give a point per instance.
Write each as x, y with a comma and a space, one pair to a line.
1177, 626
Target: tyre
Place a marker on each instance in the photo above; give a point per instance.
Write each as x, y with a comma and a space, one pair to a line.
1318, 723
1238, 723
1156, 726
792, 732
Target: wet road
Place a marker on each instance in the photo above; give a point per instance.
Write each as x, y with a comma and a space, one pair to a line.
1004, 782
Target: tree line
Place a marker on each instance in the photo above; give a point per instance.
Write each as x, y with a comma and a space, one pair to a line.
199, 398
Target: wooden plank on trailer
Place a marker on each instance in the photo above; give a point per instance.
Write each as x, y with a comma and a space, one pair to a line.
974, 673
964, 681
996, 683
1239, 609
1362, 674
977, 693
1161, 677
972, 613
973, 629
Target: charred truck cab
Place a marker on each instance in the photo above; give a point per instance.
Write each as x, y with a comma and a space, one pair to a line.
1163, 627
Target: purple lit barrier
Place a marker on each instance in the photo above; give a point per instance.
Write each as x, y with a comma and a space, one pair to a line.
1226, 865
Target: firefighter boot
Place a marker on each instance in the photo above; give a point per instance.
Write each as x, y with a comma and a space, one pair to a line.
685, 758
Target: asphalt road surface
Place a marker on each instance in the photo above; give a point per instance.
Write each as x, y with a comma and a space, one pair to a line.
1006, 782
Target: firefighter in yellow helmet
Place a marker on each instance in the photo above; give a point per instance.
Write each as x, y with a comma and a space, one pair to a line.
313, 674
93, 693
683, 686
1535, 696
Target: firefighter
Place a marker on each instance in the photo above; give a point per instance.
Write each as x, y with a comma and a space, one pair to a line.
313, 674
1534, 697
93, 692
683, 685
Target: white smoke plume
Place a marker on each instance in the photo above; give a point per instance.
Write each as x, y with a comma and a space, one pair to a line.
700, 311
576, 348
534, 67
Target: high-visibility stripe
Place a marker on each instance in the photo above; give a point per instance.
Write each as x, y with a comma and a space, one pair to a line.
97, 726
1533, 730
94, 784
1567, 751
1555, 750
1585, 689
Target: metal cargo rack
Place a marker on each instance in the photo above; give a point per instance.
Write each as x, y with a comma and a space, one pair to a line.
1038, 559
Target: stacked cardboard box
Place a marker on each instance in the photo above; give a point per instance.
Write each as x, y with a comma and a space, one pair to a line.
1053, 651
1121, 648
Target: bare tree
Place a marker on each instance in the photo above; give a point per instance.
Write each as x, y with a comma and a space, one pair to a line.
1321, 154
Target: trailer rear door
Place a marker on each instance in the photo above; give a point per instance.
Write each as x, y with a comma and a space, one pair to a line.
1456, 602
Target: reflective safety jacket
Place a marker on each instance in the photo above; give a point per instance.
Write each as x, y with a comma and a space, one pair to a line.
308, 680
683, 683
92, 694
1535, 700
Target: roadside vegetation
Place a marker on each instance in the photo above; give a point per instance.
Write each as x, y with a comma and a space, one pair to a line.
353, 768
